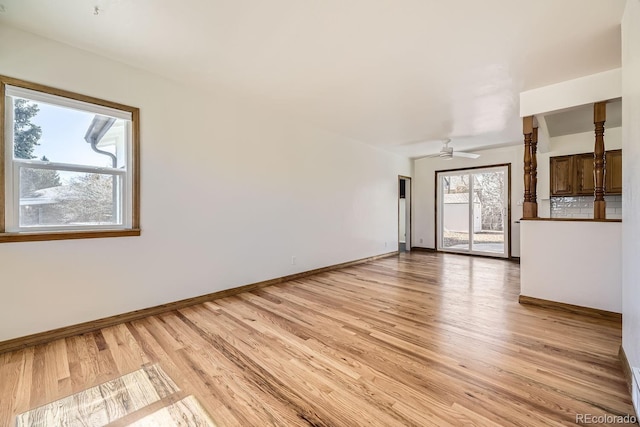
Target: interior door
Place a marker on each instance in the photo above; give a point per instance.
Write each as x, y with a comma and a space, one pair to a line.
404, 214
473, 211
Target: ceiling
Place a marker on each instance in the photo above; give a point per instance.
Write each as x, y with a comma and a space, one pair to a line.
580, 119
399, 74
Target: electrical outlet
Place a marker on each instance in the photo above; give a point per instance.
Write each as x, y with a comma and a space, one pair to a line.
385, 244
420, 240
293, 260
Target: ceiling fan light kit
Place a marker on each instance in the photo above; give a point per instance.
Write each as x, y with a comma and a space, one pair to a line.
447, 153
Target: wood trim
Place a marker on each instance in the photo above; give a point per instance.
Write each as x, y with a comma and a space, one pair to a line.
436, 213
435, 198
64, 93
135, 164
2, 159
66, 235
529, 206
600, 112
533, 208
432, 250
82, 328
487, 255
570, 308
571, 219
626, 369
610, 190
599, 162
261, 347
534, 166
135, 173
527, 126
508, 221
473, 168
421, 249
406, 178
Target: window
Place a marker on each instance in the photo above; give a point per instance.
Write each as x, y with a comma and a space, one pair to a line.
473, 210
70, 167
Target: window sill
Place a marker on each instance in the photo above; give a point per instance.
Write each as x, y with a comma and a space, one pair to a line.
66, 235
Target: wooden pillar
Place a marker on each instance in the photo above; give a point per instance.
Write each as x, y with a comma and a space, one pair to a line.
534, 173
528, 209
599, 161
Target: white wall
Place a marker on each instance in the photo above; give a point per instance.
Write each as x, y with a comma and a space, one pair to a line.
631, 182
573, 262
424, 180
424, 191
230, 192
570, 93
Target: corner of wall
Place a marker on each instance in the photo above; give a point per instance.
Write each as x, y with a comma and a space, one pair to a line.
631, 181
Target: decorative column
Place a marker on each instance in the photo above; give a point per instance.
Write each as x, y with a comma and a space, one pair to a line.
534, 173
529, 209
599, 161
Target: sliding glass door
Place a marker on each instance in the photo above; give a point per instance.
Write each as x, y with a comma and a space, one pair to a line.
473, 211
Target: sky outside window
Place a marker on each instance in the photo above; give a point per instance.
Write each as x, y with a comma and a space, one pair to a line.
63, 131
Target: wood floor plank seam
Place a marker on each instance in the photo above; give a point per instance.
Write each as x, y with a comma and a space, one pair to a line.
274, 386
425, 339
96, 325
380, 343
402, 420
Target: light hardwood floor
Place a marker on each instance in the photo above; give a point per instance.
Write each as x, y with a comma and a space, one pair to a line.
418, 339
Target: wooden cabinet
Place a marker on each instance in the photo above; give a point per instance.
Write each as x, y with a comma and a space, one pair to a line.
613, 178
573, 175
585, 184
562, 176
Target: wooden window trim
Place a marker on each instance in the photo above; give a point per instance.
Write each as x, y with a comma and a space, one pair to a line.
135, 165
66, 235
470, 168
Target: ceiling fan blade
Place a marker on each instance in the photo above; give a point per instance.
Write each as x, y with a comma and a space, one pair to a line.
466, 155
429, 156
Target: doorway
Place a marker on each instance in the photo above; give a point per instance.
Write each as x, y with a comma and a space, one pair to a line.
473, 210
404, 213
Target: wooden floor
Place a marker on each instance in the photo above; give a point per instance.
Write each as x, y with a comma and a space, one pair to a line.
419, 339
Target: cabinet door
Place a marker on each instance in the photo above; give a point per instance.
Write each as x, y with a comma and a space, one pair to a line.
561, 175
584, 174
613, 177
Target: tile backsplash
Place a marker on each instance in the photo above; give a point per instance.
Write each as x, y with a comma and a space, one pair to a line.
582, 207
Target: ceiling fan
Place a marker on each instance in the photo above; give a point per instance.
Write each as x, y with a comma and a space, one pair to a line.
447, 152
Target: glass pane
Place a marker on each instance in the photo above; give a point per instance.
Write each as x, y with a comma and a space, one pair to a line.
62, 198
489, 210
455, 212
64, 135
